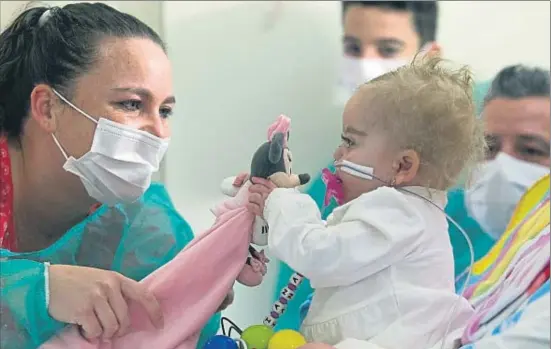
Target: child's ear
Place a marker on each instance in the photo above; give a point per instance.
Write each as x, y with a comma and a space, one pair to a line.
406, 166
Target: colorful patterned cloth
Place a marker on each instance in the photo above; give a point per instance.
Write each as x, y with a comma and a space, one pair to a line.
515, 273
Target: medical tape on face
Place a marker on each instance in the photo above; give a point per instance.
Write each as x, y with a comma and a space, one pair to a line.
356, 170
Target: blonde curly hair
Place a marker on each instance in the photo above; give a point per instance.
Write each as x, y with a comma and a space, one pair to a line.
429, 108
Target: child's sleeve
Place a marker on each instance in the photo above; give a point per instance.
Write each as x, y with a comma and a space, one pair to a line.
376, 231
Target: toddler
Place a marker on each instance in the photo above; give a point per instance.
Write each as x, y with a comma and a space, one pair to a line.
382, 265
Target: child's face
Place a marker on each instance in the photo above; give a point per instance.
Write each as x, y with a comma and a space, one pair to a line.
363, 144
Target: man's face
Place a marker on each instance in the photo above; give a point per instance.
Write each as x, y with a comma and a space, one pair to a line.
520, 128
372, 32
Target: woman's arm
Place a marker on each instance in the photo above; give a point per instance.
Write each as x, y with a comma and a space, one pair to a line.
24, 321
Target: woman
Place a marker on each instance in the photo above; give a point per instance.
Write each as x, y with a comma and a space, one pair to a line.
85, 94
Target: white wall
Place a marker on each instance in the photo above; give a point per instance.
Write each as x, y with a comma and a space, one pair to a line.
233, 77
489, 35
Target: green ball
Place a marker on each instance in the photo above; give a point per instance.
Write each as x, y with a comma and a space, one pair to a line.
257, 336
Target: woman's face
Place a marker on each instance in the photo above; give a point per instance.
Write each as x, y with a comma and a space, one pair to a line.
130, 84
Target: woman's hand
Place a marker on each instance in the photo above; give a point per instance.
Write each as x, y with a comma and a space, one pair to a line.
259, 192
96, 300
227, 301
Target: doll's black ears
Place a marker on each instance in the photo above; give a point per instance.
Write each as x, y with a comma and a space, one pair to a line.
276, 148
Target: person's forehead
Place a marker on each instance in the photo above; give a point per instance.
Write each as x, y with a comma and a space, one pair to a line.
512, 117
356, 114
371, 23
135, 62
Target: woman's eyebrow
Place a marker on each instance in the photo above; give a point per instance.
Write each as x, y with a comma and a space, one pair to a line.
144, 93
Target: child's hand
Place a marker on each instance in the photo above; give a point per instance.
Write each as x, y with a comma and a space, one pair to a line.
258, 192
240, 179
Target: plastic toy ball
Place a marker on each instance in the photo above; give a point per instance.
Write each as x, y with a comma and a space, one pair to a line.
221, 342
257, 336
286, 339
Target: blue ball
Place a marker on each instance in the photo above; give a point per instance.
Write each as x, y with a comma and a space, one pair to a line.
221, 342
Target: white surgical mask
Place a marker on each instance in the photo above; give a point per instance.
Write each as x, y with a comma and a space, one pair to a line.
357, 71
120, 163
354, 71
498, 187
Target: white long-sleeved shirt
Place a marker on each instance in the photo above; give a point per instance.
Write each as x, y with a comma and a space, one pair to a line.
381, 266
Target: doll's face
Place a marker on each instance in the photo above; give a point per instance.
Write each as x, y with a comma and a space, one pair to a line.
286, 178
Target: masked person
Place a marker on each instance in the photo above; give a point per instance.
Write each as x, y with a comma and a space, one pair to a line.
380, 36
83, 120
517, 115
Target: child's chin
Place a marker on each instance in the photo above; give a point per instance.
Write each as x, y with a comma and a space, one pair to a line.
348, 197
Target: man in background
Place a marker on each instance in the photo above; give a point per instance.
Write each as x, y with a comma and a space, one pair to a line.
378, 36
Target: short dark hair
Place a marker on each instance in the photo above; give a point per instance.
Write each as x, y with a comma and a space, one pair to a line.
425, 14
519, 81
55, 48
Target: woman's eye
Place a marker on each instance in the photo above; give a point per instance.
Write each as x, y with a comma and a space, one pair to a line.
166, 112
131, 105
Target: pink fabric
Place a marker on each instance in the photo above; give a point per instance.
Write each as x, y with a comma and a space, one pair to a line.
334, 187
190, 288
253, 272
283, 125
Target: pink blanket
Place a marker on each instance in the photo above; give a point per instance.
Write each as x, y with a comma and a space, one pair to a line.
190, 288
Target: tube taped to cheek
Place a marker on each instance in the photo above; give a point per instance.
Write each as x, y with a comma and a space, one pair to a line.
354, 169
